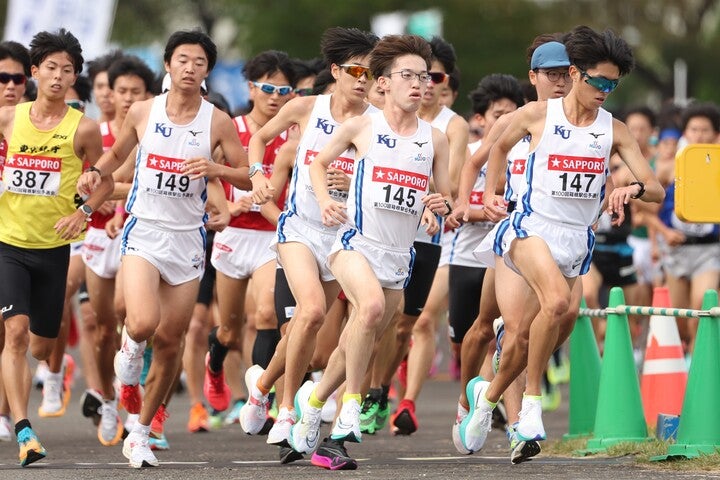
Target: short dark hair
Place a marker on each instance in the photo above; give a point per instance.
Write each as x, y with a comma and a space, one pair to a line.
102, 63
494, 87
339, 44
47, 43
391, 47
191, 37
444, 53
83, 88
16, 51
268, 63
131, 65
645, 111
707, 109
454, 80
586, 48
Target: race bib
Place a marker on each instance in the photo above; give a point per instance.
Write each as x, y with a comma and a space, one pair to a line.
345, 164
238, 194
398, 190
33, 175
576, 177
166, 177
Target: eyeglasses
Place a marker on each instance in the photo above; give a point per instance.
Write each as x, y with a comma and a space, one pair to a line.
270, 89
438, 77
554, 75
408, 75
357, 71
603, 84
17, 78
303, 92
76, 104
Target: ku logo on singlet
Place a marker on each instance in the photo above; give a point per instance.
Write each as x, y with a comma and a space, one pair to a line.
562, 131
387, 141
163, 130
325, 126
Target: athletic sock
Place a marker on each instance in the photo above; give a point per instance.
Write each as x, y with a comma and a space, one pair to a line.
217, 350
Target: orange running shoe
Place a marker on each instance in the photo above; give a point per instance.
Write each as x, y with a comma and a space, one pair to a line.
199, 419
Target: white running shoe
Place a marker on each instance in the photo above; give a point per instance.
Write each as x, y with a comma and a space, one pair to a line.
253, 414
457, 441
347, 425
136, 448
305, 434
53, 401
110, 429
280, 431
476, 426
530, 426
129, 360
6, 430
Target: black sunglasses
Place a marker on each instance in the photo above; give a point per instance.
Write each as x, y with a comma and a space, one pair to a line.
17, 78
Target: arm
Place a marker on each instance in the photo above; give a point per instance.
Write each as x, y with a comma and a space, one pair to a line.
283, 165
438, 202
217, 206
457, 135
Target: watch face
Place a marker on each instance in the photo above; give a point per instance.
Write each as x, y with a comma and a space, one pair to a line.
86, 210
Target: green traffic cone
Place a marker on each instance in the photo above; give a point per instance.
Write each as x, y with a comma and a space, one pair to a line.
584, 378
619, 416
699, 431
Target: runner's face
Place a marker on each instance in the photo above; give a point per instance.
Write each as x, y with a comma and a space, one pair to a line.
496, 110
188, 67
700, 130
433, 91
54, 75
127, 90
640, 128
103, 95
407, 93
588, 95
547, 88
269, 104
349, 86
11, 92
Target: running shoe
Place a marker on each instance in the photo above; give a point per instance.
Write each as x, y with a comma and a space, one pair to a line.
330, 408
368, 414
332, 455
131, 398
158, 442
530, 426
68, 366
6, 430
110, 429
520, 450
347, 425
129, 364
404, 421
198, 420
304, 435
157, 438
288, 455
41, 373
233, 416
476, 426
462, 412
91, 401
215, 389
55, 398
280, 431
136, 448
551, 398
402, 373
215, 419
30, 448
383, 414
254, 414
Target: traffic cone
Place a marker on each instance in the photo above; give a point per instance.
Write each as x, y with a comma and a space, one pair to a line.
664, 372
584, 378
619, 416
699, 431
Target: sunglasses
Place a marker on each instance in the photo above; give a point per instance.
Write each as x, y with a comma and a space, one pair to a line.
438, 77
357, 71
270, 89
603, 84
76, 104
303, 92
17, 78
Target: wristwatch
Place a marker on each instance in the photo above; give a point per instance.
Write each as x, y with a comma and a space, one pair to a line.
94, 169
449, 207
255, 168
86, 209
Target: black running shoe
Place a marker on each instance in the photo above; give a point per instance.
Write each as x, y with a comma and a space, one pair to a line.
288, 455
524, 451
333, 456
91, 401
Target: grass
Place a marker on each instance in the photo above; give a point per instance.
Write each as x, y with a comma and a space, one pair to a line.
642, 452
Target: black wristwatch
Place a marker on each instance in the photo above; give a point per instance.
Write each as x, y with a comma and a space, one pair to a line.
94, 169
642, 190
449, 207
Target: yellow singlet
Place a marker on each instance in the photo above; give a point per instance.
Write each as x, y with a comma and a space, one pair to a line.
40, 175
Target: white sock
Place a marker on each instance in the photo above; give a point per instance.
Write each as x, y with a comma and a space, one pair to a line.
141, 429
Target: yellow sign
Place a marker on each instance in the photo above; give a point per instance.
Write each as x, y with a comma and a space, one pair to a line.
697, 184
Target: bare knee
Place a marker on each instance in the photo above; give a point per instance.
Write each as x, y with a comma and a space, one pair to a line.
371, 313
309, 318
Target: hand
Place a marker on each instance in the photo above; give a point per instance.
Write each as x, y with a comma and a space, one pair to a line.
114, 226
88, 182
218, 220
429, 220
262, 189
200, 167
436, 204
337, 180
72, 226
494, 206
674, 237
332, 213
618, 198
461, 211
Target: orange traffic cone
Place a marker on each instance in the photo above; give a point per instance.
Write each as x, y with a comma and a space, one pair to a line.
664, 373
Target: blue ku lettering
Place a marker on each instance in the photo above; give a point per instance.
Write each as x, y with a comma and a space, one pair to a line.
562, 131
325, 126
163, 130
387, 141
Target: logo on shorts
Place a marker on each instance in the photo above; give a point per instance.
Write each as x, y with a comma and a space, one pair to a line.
400, 272
6, 308
197, 261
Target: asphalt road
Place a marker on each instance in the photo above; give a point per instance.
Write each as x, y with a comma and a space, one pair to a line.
75, 453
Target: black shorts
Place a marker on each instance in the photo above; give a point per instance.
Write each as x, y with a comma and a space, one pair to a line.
464, 299
284, 300
616, 269
427, 258
32, 283
207, 282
